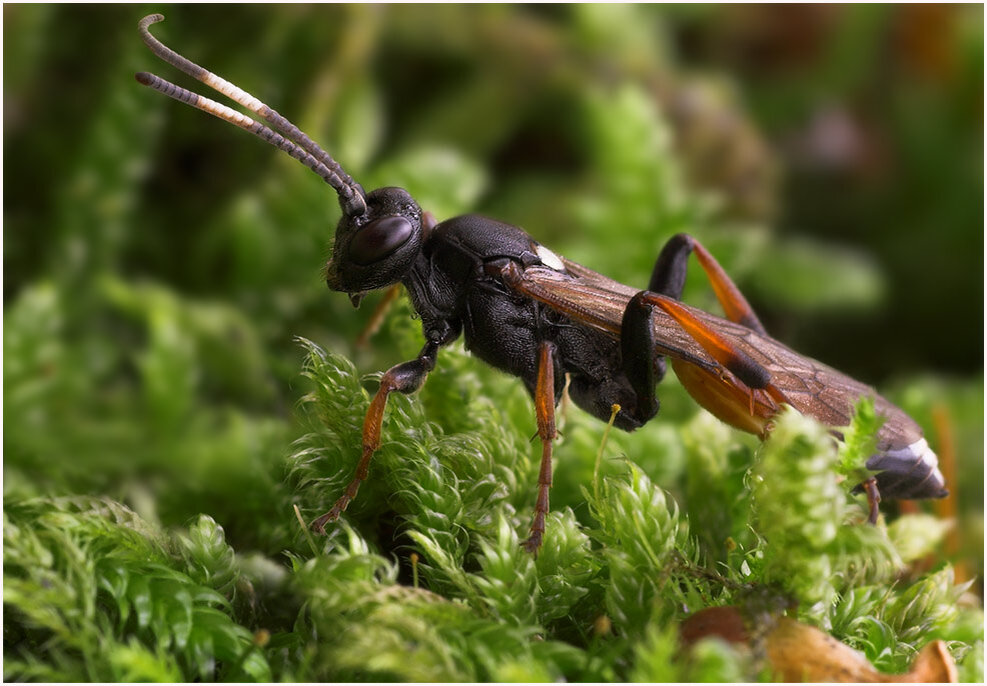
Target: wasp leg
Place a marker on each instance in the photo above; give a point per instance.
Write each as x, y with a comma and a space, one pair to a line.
740, 392
378, 315
545, 413
640, 365
406, 377
739, 363
668, 278
643, 369
873, 499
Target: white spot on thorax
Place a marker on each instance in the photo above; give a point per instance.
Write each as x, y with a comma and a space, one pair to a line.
549, 258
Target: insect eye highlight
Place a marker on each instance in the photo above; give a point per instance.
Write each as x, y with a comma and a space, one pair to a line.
379, 238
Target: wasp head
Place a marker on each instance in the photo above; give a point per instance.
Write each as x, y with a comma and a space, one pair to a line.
378, 246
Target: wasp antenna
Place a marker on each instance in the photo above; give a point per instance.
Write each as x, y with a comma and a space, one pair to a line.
230, 115
285, 135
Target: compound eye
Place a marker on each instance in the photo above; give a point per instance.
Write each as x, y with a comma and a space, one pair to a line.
379, 238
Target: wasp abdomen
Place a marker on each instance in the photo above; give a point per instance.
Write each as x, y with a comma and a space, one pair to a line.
909, 472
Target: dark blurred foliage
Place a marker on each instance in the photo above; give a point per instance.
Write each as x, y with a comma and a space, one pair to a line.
877, 115
159, 263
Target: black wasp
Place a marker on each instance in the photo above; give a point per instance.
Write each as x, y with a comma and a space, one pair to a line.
540, 317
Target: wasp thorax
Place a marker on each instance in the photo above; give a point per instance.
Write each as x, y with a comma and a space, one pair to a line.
378, 247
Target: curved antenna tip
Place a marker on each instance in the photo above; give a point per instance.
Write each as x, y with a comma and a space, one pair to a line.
150, 19
143, 78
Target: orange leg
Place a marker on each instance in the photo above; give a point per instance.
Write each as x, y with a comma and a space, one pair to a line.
669, 273
719, 348
873, 499
731, 401
545, 413
406, 377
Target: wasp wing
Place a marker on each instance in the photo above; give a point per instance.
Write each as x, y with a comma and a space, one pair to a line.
599, 303
810, 386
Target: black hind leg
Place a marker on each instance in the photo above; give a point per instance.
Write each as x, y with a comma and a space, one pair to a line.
637, 336
668, 278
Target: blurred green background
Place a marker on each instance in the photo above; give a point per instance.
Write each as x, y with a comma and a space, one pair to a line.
158, 263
